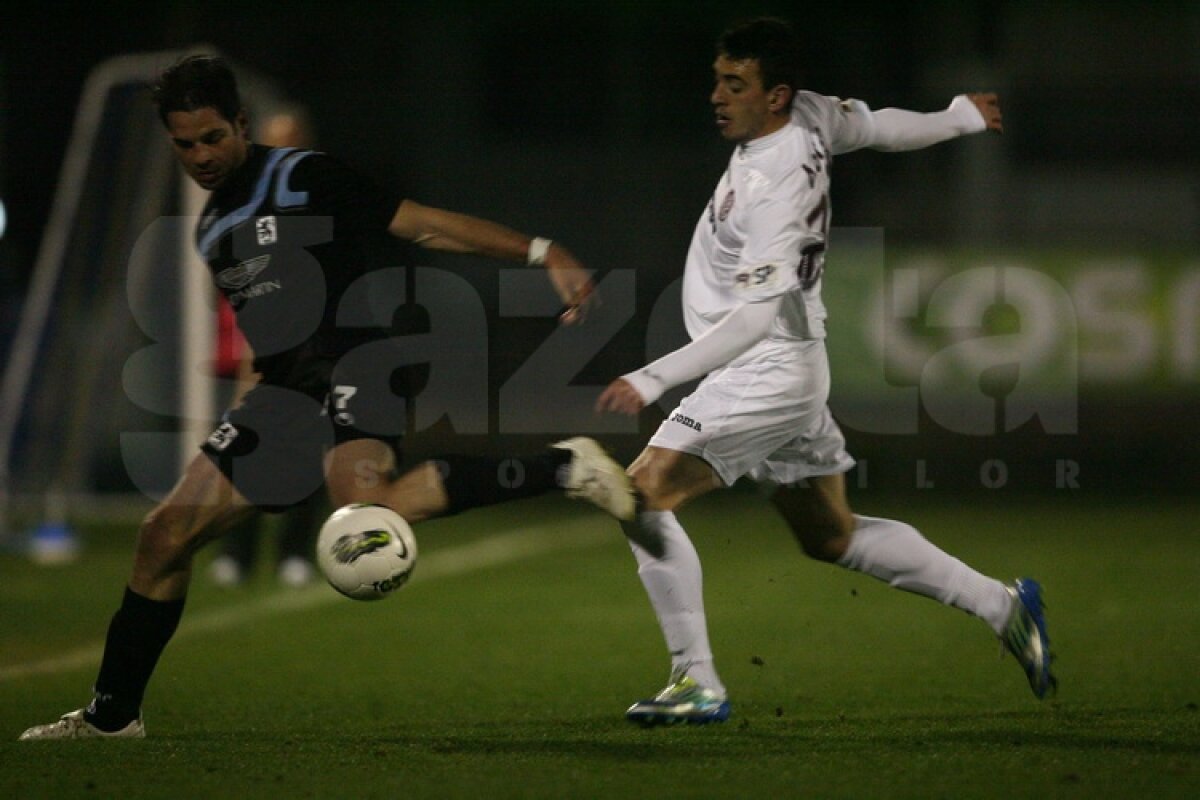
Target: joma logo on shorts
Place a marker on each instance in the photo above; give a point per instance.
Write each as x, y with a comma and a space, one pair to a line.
682, 420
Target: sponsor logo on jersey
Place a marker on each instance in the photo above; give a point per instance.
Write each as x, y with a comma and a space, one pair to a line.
257, 290
265, 230
688, 421
222, 437
241, 275
726, 206
757, 276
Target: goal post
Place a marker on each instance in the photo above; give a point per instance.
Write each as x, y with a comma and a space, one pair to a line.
77, 392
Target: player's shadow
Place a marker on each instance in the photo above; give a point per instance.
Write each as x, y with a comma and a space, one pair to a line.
771, 734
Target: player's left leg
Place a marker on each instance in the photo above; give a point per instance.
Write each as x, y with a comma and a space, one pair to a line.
200, 507
896, 553
891, 551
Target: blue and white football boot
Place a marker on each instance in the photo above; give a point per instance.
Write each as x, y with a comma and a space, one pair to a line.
1025, 636
683, 700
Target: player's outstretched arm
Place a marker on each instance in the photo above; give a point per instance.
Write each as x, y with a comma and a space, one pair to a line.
438, 229
740, 330
896, 129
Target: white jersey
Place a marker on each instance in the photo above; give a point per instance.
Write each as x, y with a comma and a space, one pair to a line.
765, 229
762, 412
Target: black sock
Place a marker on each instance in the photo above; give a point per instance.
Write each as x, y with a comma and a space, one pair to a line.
475, 481
137, 635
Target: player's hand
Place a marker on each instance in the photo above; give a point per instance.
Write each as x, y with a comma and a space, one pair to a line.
572, 282
988, 104
620, 397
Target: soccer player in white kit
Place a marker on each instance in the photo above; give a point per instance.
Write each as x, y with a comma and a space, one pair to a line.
752, 306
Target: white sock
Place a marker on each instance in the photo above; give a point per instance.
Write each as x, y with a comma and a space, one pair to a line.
898, 554
670, 570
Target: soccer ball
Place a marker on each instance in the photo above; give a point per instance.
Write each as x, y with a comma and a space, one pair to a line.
366, 551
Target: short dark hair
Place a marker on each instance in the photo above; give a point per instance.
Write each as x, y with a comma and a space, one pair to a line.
196, 82
769, 40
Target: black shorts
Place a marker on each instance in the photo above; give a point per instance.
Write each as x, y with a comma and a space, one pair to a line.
272, 445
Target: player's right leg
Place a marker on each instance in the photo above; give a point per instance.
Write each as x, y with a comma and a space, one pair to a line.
196, 510
727, 427
367, 431
670, 571
362, 471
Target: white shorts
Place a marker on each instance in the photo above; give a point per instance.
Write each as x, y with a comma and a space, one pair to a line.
766, 419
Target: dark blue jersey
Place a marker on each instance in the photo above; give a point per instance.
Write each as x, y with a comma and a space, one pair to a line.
285, 237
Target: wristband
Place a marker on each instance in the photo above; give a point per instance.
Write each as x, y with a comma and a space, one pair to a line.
538, 247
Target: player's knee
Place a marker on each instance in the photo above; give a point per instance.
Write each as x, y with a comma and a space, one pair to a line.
652, 486
163, 538
824, 543
824, 537
822, 528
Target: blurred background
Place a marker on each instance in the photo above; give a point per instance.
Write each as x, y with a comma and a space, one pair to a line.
1015, 312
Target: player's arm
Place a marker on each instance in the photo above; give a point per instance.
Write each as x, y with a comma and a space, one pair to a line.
438, 229
853, 125
740, 330
896, 129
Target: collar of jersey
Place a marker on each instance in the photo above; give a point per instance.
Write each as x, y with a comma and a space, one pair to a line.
239, 215
763, 142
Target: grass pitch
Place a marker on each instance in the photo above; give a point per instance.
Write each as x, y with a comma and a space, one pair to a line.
503, 668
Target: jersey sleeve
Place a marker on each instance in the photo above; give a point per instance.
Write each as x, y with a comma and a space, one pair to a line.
847, 125
353, 200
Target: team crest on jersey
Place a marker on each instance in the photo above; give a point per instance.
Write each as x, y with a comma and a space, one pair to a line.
726, 206
243, 273
265, 230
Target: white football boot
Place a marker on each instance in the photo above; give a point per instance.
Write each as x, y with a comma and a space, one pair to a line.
74, 726
594, 476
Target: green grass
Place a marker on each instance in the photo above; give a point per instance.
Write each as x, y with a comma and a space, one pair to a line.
510, 680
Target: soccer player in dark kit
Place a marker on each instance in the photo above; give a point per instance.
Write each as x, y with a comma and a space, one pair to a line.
291, 236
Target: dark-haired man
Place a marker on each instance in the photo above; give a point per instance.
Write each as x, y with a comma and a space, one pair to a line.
290, 237
752, 304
